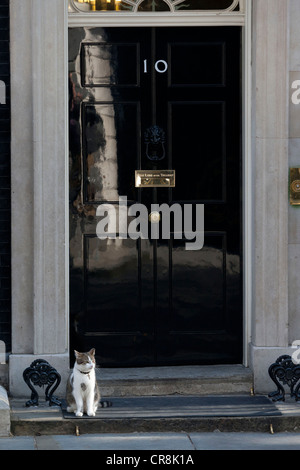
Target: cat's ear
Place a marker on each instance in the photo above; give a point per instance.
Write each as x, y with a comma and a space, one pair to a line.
76, 353
92, 352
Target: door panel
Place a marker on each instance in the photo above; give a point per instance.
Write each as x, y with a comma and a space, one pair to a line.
199, 158
146, 301
191, 64
110, 64
110, 139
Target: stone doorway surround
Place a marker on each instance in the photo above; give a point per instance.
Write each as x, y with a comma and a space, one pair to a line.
40, 193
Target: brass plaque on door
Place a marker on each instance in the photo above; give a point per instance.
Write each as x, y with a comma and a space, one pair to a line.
155, 178
295, 186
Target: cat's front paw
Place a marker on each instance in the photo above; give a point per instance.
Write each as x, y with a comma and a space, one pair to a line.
78, 413
91, 413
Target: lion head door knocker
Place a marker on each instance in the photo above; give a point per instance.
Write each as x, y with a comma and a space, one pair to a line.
155, 143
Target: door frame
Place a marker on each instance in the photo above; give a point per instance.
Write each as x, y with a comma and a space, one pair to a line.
39, 173
184, 19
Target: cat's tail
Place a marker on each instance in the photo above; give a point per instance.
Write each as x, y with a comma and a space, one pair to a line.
105, 403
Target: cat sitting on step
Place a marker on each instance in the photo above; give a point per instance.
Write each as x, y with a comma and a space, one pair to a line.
83, 395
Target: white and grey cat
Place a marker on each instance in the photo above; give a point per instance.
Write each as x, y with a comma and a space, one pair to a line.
83, 394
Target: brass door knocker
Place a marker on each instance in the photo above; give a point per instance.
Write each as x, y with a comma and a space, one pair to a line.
155, 143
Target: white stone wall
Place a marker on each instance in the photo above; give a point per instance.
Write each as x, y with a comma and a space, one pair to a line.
39, 96
270, 87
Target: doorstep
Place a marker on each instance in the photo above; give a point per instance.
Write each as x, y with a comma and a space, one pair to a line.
137, 382
181, 380
164, 399
225, 413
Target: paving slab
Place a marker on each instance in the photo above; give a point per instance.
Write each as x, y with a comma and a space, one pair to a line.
154, 444
17, 443
120, 442
245, 441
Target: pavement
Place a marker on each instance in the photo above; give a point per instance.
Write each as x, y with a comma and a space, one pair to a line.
180, 443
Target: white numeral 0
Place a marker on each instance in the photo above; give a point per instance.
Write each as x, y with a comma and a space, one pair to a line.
159, 68
163, 69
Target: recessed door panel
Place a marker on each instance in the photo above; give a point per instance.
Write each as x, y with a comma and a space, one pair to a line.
110, 64
110, 146
198, 282
199, 158
191, 64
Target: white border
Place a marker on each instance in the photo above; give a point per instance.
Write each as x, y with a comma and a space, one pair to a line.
196, 18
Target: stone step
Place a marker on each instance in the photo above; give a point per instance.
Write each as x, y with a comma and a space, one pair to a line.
143, 384
225, 413
185, 380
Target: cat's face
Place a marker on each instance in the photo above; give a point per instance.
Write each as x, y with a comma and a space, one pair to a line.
85, 361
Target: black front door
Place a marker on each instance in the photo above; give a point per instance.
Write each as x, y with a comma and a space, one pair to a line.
150, 300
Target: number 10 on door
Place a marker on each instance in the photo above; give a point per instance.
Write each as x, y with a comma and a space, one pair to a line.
161, 66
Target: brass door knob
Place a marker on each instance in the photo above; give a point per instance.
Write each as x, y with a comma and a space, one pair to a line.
154, 217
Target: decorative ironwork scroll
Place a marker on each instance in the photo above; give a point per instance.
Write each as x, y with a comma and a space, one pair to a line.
218, 6
285, 371
41, 373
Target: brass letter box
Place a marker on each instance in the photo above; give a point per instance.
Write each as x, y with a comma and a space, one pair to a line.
295, 186
155, 178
